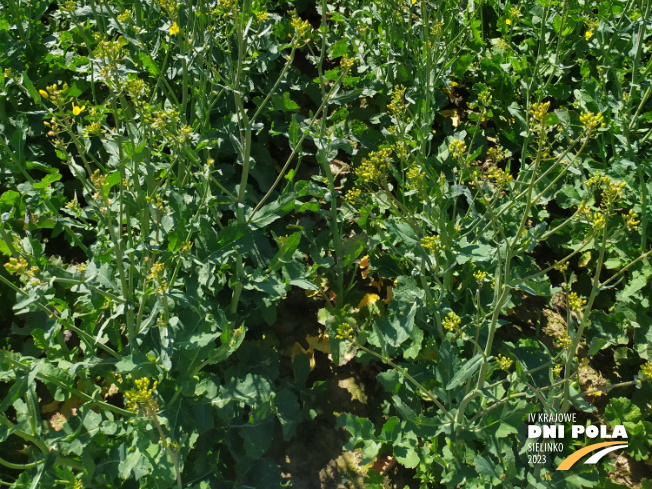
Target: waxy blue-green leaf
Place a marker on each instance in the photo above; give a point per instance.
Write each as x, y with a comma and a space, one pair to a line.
469, 368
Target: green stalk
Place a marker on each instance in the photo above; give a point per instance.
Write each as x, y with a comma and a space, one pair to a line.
584, 320
295, 149
245, 142
325, 164
504, 284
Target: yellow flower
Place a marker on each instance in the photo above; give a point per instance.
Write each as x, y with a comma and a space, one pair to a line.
452, 321
16, 265
76, 110
508, 22
156, 272
353, 196
174, 29
457, 148
504, 362
43, 93
631, 220
575, 302
564, 340
346, 62
646, 371
588, 35
142, 396
302, 27
592, 121
431, 243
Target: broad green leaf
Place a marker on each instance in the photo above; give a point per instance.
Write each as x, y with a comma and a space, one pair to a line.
257, 435
288, 412
621, 410
406, 449
362, 431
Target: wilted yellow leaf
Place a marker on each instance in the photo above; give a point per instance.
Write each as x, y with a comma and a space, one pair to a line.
368, 300
364, 266
319, 343
452, 113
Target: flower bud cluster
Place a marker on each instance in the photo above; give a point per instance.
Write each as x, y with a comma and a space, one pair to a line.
452, 322
416, 178
457, 148
592, 121
142, 397
302, 29
431, 243
397, 106
345, 332
353, 196
539, 112
16, 266
500, 176
504, 362
575, 302
374, 166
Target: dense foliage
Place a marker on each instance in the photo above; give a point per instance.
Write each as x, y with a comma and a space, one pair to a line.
211, 206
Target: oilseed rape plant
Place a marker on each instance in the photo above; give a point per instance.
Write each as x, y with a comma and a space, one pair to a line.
327, 243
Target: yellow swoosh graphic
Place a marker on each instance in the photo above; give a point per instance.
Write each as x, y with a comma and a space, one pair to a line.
571, 459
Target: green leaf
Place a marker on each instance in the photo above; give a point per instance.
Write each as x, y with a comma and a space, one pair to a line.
461, 65
403, 231
203, 416
147, 62
504, 430
287, 247
486, 468
621, 410
362, 431
91, 421
396, 326
406, 449
232, 343
130, 363
128, 463
30, 88
271, 212
640, 440
468, 369
37, 477
567, 197
606, 330
17, 390
288, 412
339, 48
636, 283
39, 339
352, 248
47, 180
257, 436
